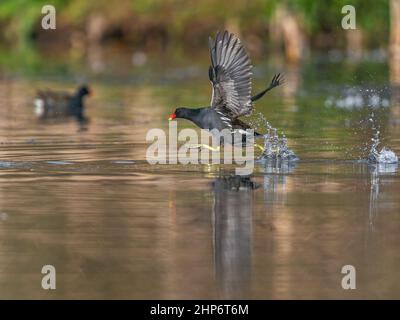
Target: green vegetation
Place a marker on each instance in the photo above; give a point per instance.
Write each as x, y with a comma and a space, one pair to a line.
187, 19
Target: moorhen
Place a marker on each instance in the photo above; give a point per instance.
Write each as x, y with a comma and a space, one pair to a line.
230, 75
53, 104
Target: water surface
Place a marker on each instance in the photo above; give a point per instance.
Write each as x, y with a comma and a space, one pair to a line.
114, 226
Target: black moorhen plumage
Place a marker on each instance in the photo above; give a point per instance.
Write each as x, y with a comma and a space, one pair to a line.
230, 74
53, 104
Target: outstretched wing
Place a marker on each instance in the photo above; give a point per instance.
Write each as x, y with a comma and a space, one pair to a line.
230, 74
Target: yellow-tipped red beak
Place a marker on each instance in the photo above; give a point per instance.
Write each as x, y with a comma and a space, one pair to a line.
172, 117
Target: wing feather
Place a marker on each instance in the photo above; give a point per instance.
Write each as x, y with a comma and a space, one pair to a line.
230, 73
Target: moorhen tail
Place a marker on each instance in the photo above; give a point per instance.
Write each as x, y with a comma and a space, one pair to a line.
53, 104
230, 74
276, 81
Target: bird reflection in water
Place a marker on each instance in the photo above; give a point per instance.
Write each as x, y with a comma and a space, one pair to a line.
232, 225
231, 221
376, 171
275, 180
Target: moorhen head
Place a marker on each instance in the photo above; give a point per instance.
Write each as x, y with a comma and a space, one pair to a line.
54, 104
83, 91
230, 75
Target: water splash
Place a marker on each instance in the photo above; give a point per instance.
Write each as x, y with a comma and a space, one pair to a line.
383, 156
275, 146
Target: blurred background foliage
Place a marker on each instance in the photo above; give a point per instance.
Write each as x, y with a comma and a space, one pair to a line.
289, 30
188, 21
